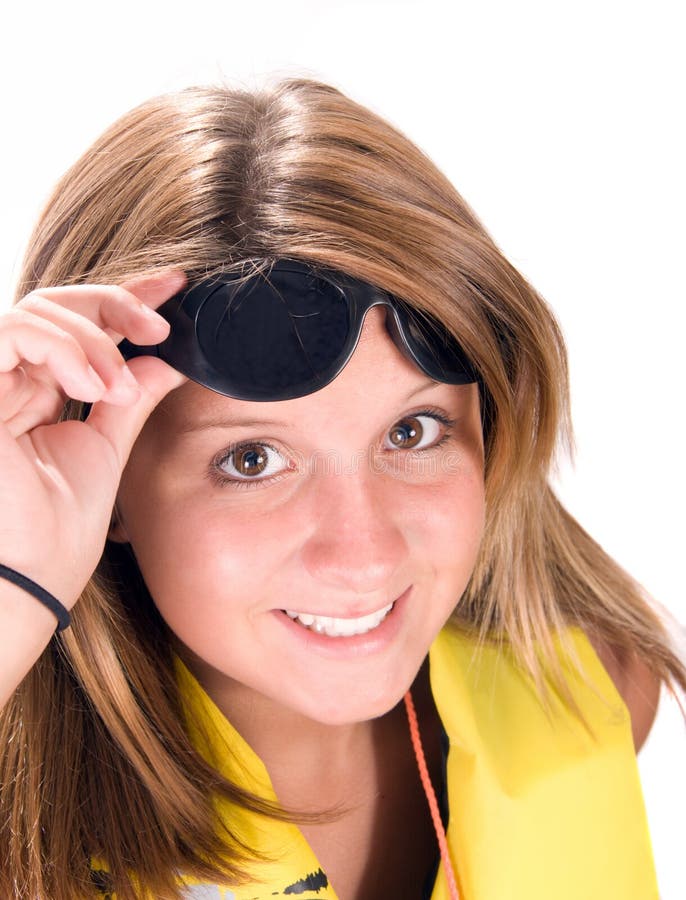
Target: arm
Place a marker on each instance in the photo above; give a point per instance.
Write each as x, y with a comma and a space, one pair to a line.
58, 479
25, 629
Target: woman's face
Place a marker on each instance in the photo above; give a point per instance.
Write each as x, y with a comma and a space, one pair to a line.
333, 506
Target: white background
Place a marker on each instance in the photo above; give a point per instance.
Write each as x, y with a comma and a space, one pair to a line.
562, 125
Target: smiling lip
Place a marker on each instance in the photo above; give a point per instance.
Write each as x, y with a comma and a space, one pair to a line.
359, 615
348, 646
334, 626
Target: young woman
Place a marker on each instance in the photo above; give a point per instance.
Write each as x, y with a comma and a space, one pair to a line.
318, 605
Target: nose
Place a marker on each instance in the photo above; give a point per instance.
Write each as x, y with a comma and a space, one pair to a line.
357, 545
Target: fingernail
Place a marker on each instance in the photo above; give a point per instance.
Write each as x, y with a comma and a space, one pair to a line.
152, 316
169, 275
123, 393
95, 378
127, 377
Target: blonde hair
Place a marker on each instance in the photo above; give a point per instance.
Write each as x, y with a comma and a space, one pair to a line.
207, 179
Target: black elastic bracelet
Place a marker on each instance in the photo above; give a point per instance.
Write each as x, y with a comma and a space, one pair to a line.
47, 599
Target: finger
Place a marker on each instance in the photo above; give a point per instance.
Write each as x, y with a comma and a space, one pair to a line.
100, 350
26, 403
152, 288
24, 337
121, 425
120, 310
44, 411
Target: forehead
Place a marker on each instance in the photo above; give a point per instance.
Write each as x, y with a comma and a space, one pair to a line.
376, 368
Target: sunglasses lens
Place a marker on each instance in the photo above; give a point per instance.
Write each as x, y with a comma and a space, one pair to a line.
435, 348
274, 337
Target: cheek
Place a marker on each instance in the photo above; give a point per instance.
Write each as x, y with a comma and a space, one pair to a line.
189, 547
447, 520
452, 533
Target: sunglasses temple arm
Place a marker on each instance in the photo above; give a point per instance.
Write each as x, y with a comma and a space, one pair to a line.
129, 350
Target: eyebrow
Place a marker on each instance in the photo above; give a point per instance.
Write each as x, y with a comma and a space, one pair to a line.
227, 421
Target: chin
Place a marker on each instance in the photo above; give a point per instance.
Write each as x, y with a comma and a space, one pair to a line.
352, 711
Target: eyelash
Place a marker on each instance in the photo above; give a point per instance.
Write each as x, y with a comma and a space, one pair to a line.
220, 480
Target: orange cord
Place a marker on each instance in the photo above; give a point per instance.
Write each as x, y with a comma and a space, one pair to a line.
430, 796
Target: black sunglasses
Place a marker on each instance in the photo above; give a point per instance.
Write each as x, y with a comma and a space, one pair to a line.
289, 332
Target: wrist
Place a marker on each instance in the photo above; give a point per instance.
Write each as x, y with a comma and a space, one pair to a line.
48, 601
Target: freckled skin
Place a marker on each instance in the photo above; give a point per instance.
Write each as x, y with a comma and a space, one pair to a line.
341, 538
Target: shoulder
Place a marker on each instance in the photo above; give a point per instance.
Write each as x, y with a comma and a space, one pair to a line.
636, 683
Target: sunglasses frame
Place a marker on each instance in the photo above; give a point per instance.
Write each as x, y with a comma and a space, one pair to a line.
182, 349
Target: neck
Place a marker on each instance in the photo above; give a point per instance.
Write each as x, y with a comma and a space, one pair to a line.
330, 764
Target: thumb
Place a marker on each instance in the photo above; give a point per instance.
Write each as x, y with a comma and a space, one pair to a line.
121, 425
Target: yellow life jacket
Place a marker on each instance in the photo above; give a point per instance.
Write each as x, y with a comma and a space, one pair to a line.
539, 809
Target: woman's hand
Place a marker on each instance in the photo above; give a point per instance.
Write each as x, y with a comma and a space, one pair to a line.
58, 480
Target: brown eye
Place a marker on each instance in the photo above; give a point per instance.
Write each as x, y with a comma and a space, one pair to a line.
250, 460
247, 462
407, 433
413, 431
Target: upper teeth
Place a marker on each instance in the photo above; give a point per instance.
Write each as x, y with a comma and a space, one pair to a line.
340, 627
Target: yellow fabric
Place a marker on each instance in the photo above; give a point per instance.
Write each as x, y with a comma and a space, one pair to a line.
539, 810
